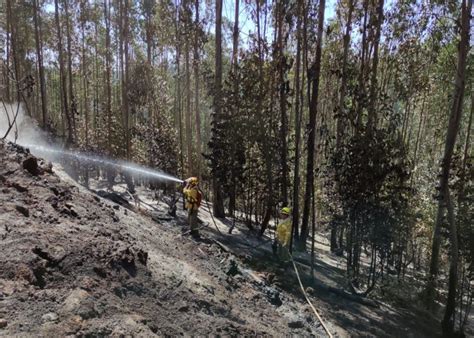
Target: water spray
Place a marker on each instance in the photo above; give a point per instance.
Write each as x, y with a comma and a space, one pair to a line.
100, 160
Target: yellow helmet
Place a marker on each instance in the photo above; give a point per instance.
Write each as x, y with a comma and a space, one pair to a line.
193, 180
285, 211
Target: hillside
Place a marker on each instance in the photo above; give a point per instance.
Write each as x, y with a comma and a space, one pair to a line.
75, 263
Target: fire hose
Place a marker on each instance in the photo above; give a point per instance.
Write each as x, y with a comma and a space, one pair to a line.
308, 300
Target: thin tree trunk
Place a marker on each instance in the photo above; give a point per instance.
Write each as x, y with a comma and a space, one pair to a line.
84, 79
189, 132
313, 81
108, 56
342, 118
466, 149
62, 76
372, 116
127, 77
454, 123
149, 30
235, 34
218, 201
196, 90
85, 92
444, 199
269, 201
39, 55
418, 138
95, 81
283, 114
14, 47
298, 115
313, 234
235, 48
8, 50
124, 40
72, 99
361, 85
177, 116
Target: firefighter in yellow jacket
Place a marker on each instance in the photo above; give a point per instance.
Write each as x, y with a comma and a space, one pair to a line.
193, 197
283, 235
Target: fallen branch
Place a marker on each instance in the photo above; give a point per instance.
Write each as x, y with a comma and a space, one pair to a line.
222, 246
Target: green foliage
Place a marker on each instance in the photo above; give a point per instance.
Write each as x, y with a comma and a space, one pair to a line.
372, 176
245, 138
153, 144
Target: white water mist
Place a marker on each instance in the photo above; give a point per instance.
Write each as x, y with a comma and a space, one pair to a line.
27, 134
129, 167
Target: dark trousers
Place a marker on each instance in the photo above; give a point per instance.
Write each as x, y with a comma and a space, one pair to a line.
193, 220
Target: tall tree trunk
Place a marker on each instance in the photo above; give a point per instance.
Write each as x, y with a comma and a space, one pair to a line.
189, 132
85, 85
372, 117
14, 46
467, 144
108, 57
361, 77
196, 89
127, 77
298, 115
84, 76
125, 89
218, 201
453, 128
149, 11
342, 118
269, 201
235, 108
8, 51
177, 116
95, 81
418, 138
62, 76
124, 55
313, 82
72, 99
283, 114
39, 55
235, 34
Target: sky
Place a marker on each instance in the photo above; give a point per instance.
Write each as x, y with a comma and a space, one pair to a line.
245, 20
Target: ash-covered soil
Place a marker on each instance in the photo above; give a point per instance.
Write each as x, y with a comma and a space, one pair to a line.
73, 263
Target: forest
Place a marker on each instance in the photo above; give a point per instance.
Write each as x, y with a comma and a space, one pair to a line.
357, 114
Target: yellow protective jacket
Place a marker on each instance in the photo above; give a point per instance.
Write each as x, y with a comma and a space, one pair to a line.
283, 232
193, 198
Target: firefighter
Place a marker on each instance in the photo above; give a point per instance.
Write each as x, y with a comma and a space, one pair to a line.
193, 197
283, 235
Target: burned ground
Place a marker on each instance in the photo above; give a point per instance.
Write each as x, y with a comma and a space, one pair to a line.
74, 263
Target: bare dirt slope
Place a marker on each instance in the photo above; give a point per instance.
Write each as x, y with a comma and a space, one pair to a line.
76, 264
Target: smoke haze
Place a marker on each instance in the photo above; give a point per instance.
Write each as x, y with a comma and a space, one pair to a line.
25, 132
